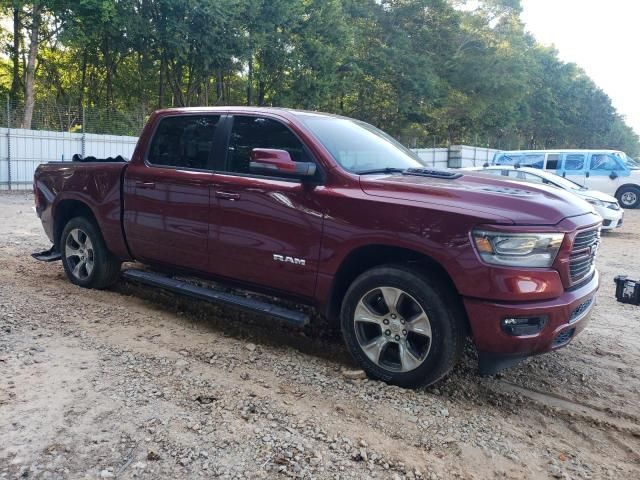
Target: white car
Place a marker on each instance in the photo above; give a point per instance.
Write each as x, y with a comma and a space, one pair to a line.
606, 205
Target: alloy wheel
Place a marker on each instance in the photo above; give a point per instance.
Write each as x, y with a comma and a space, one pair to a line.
392, 329
79, 252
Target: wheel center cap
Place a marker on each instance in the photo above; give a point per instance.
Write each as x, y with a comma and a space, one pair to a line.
395, 326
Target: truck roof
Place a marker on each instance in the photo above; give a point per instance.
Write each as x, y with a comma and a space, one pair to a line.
560, 150
285, 112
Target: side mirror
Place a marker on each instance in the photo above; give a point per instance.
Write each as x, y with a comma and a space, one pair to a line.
613, 175
270, 160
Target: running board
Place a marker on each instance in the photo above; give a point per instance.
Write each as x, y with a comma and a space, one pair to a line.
292, 317
51, 255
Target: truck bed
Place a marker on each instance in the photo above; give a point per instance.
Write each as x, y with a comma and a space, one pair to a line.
61, 186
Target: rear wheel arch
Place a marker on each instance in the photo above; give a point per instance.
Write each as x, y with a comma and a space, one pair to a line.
67, 209
367, 257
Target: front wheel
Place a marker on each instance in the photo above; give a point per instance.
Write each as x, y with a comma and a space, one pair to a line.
85, 257
629, 197
401, 326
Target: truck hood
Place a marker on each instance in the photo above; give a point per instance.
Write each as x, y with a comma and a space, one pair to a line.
504, 200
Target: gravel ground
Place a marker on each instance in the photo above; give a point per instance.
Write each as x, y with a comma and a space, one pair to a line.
131, 383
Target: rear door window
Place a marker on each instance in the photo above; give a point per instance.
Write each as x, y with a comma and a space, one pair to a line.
553, 161
184, 141
574, 161
529, 177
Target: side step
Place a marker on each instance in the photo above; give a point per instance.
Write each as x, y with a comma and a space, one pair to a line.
248, 304
51, 255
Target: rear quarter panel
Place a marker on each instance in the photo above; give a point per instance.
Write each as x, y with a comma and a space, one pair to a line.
97, 185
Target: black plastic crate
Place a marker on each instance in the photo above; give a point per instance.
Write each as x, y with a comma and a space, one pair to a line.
627, 290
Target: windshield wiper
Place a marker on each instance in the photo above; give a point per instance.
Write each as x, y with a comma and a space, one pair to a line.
381, 170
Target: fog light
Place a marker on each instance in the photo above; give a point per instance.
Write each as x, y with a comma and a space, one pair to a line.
523, 326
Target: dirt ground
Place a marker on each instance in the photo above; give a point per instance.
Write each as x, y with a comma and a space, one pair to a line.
131, 383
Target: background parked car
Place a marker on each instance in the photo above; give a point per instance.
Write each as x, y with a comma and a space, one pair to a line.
608, 171
606, 205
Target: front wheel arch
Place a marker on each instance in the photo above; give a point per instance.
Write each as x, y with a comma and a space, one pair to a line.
367, 257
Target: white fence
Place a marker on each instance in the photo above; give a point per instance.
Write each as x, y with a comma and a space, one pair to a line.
456, 156
434, 157
21, 151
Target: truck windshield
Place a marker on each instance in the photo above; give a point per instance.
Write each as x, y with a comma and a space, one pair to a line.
632, 163
359, 147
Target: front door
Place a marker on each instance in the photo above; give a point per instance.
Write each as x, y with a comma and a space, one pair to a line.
269, 228
605, 173
167, 207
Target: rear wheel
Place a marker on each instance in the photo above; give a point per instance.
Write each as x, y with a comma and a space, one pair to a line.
85, 258
401, 326
629, 197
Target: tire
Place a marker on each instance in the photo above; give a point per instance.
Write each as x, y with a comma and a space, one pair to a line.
629, 197
85, 258
416, 343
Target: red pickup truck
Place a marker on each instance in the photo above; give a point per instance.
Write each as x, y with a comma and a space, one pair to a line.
331, 213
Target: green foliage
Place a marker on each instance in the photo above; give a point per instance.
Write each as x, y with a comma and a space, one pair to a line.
427, 71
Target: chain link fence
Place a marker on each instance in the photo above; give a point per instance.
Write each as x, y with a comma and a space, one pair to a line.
56, 133
75, 119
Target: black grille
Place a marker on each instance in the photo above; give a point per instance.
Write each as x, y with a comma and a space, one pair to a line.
583, 307
563, 337
583, 254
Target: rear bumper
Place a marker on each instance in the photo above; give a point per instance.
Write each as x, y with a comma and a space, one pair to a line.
566, 316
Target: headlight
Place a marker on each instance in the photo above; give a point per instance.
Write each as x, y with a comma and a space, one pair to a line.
518, 249
595, 202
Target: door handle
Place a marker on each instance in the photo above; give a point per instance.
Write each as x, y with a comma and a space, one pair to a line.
228, 196
149, 185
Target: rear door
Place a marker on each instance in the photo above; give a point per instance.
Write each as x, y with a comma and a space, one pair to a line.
166, 212
269, 228
574, 167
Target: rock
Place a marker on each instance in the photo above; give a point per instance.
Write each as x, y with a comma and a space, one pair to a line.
106, 474
251, 347
354, 374
153, 456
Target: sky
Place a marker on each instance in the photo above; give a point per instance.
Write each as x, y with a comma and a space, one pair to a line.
601, 36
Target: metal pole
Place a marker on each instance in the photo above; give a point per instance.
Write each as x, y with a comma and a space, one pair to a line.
8, 142
433, 153
83, 141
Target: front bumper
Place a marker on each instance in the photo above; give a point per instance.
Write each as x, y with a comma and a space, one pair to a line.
610, 218
566, 316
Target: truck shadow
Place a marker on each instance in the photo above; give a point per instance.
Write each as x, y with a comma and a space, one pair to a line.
320, 338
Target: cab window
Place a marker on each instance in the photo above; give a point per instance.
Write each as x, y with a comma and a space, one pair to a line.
574, 161
603, 161
509, 159
534, 160
248, 133
183, 141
